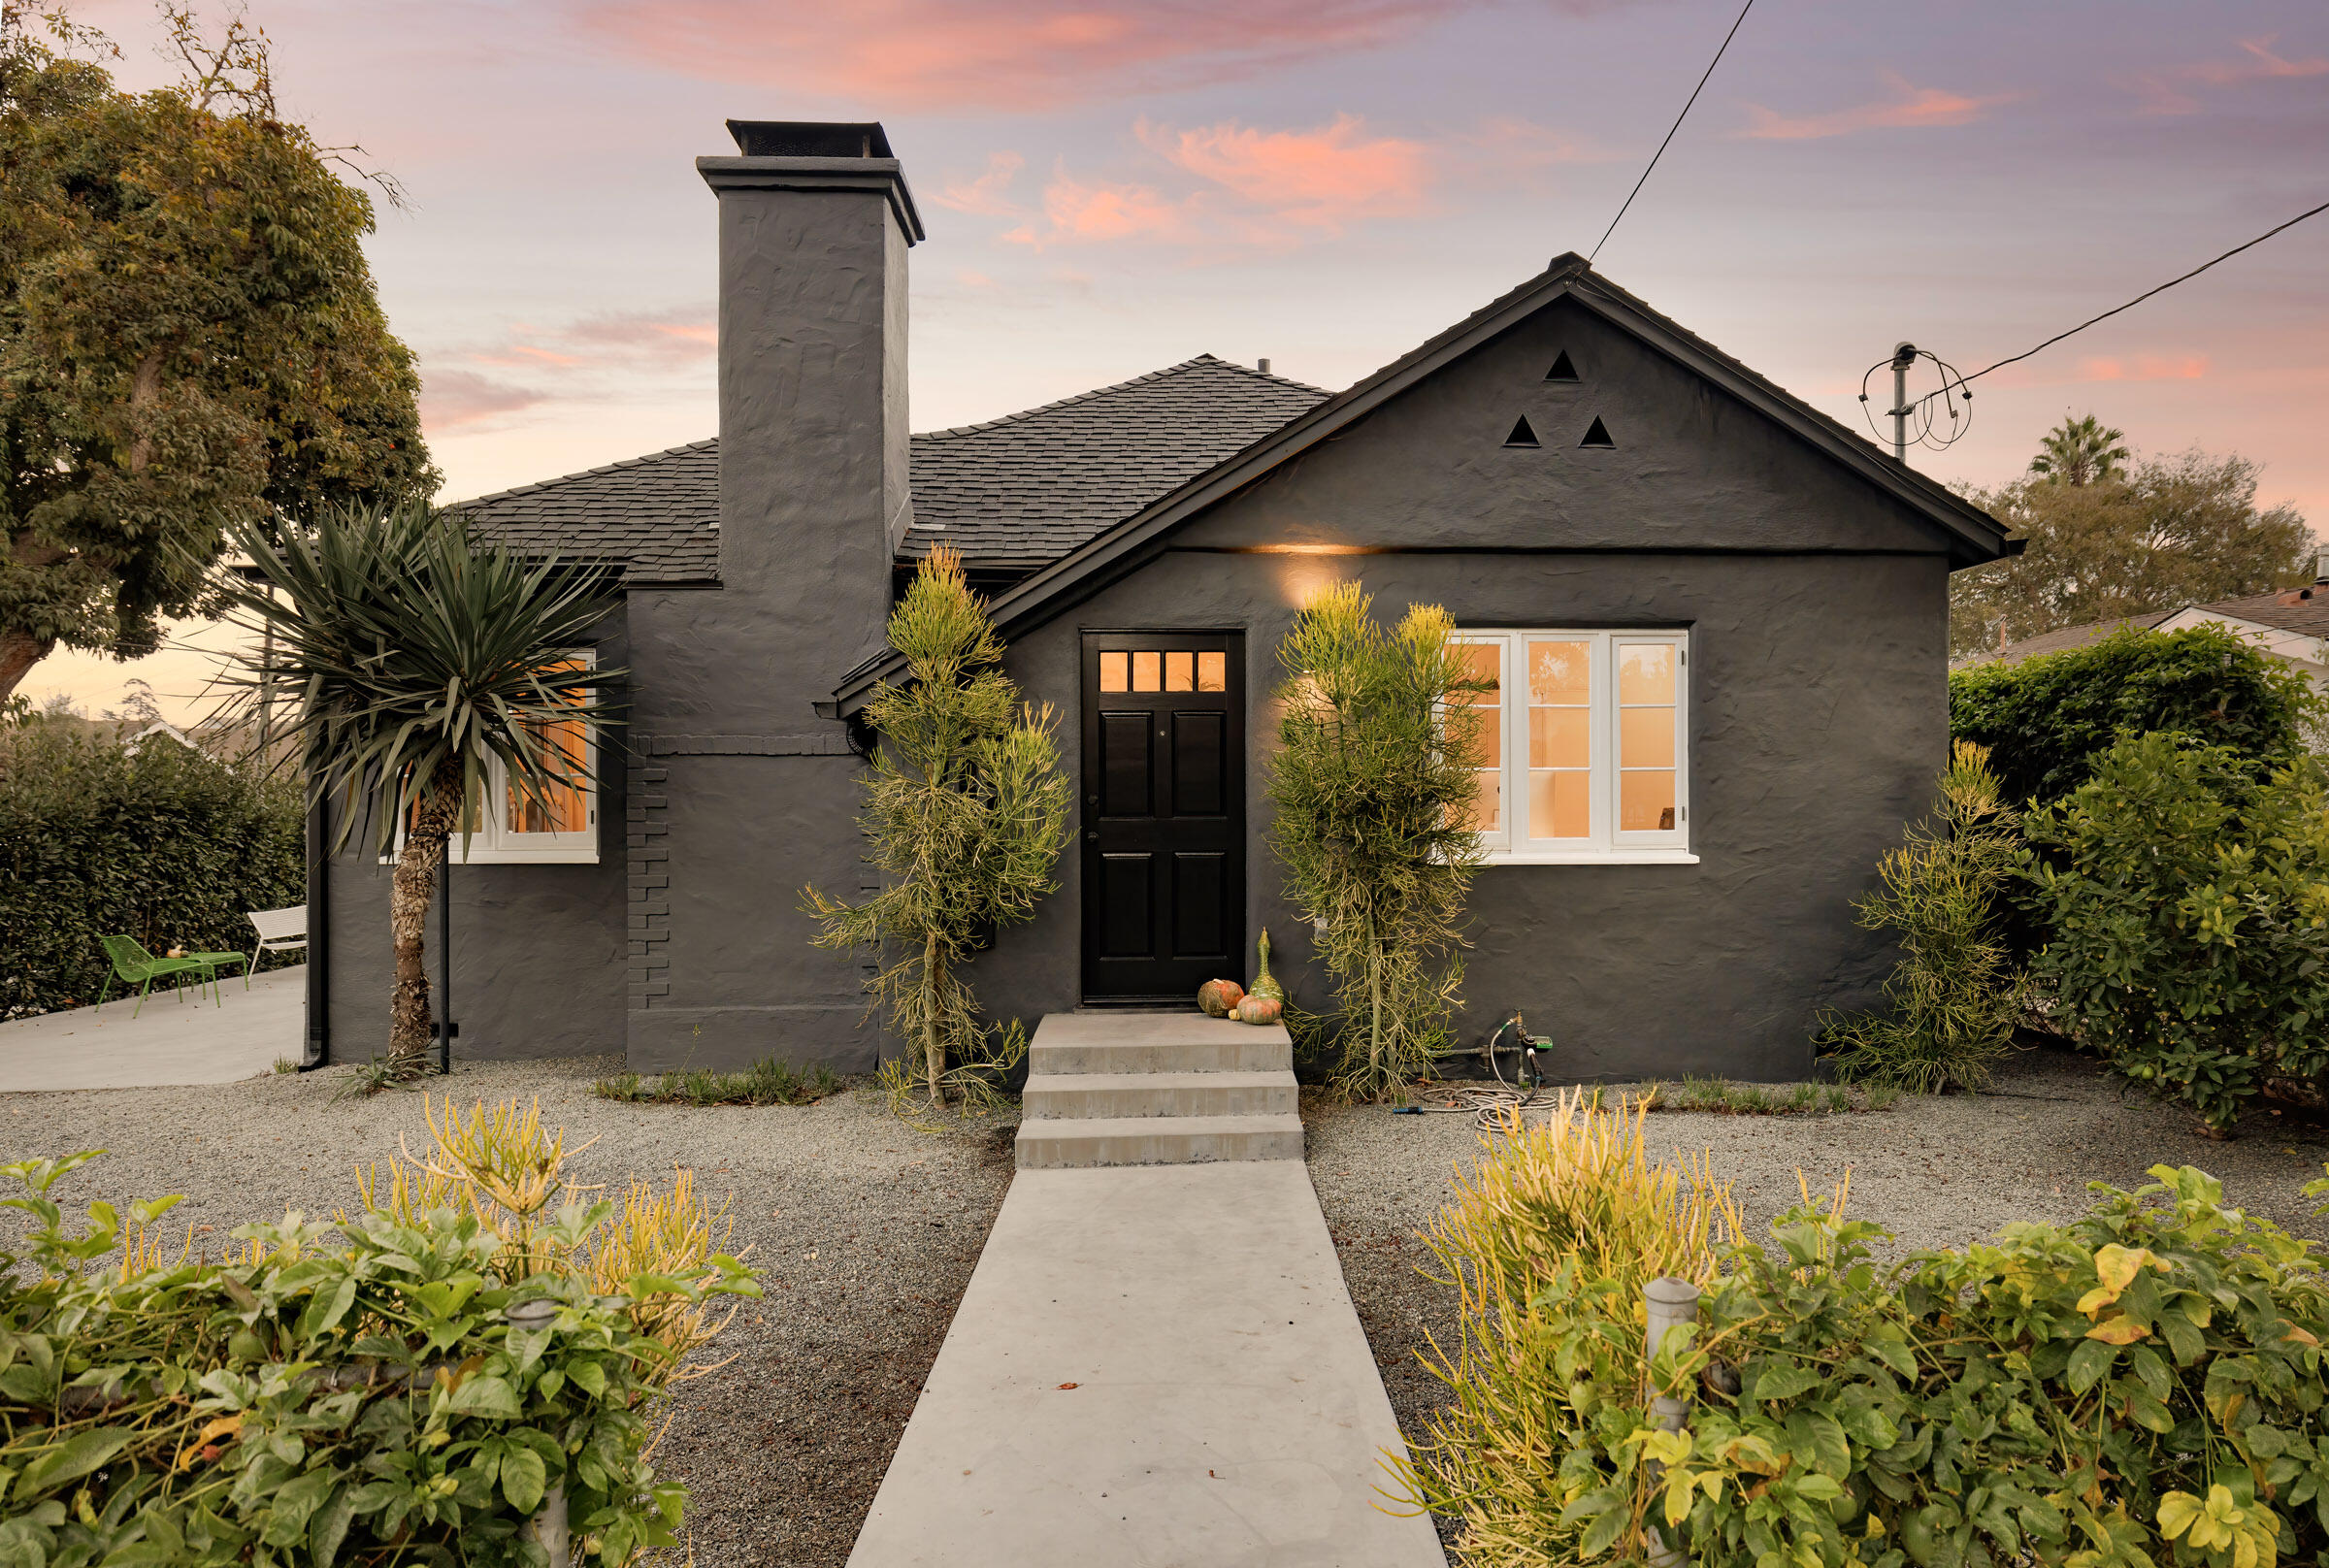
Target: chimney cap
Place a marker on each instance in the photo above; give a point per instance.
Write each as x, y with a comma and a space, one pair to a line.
809, 139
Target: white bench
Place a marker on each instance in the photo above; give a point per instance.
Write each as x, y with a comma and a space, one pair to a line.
281, 930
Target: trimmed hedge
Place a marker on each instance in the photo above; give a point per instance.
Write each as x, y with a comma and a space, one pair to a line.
2045, 720
164, 844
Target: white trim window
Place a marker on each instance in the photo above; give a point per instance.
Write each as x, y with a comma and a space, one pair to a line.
557, 827
1585, 745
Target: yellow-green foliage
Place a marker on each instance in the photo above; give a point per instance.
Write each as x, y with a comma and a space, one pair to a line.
1576, 1193
496, 1164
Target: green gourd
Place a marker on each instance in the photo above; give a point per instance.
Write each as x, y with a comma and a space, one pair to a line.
1264, 983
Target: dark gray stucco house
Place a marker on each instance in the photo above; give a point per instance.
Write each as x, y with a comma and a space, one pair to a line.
1718, 617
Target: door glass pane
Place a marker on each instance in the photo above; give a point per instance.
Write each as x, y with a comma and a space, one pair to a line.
1180, 671
1212, 671
1559, 804
1646, 800
1646, 738
1646, 672
1560, 738
1480, 661
1487, 810
1481, 664
1147, 671
1559, 671
1115, 671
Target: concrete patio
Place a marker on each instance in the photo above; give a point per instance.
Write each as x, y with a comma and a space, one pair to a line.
178, 1037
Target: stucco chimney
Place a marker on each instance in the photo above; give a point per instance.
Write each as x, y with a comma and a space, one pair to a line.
815, 219
2320, 563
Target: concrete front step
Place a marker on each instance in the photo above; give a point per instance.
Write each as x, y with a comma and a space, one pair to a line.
1117, 1043
1060, 1143
1101, 1095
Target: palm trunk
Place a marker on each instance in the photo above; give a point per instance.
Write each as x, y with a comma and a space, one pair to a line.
410, 1028
934, 1055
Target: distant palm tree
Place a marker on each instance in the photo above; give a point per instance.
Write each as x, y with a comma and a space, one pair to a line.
412, 658
2080, 451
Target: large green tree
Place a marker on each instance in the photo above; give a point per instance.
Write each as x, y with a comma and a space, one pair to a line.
2104, 540
188, 334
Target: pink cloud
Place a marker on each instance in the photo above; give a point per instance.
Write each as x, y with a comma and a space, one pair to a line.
1076, 209
2143, 367
451, 399
985, 194
1320, 178
2166, 92
1908, 107
633, 341
998, 55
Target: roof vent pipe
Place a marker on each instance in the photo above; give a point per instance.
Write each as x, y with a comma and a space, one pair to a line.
1263, 365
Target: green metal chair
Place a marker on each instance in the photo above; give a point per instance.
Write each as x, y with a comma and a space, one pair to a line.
132, 966
215, 961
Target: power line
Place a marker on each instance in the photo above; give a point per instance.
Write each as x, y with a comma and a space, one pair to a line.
1670, 130
2136, 300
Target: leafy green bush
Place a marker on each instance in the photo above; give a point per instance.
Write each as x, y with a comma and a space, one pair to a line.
2186, 906
2141, 1387
163, 844
2045, 720
314, 1403
1954, 993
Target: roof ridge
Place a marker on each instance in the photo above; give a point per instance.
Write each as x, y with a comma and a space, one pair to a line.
584, 473
1125, 385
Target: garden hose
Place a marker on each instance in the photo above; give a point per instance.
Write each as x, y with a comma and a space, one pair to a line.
1490, 1108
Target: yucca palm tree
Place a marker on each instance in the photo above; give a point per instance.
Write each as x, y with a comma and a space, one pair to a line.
411, 658
2080, 451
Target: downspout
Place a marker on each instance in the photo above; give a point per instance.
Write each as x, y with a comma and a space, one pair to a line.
319, 947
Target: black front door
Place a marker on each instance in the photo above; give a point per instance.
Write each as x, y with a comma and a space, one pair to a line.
1164, 819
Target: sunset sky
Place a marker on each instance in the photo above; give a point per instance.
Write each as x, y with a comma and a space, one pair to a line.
1113, 185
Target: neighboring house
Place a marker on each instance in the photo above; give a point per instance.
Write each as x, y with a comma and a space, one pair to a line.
2292, 624
1719, 619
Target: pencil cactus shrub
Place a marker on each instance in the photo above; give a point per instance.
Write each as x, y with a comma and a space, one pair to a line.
1955, 994
964, 814
1373, 791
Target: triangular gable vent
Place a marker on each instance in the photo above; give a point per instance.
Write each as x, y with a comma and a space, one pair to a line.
1523, 434
1598, 435
1562, 370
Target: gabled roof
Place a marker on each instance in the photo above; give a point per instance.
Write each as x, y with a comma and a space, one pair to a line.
1026, 489
659, 515
1976, 535
1012, 494
2304, 611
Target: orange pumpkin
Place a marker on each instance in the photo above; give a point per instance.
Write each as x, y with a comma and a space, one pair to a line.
1218, 997
1260, 1010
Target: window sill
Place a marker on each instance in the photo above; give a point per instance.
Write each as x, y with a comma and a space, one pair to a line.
517, 857
1606, 856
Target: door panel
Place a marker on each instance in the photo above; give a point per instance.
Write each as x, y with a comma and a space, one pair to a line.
1163, 812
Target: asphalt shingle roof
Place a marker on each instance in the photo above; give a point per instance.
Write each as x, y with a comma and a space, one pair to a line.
658, 515
1014, 492
1026, 489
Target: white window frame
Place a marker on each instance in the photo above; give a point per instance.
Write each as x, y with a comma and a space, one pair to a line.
1508, 843
495, 844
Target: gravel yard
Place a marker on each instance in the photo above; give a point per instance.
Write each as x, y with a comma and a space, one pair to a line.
1936, 1172
864, 1233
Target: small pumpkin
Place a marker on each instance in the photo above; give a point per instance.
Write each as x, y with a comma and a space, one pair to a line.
1260, 1010
1218, 998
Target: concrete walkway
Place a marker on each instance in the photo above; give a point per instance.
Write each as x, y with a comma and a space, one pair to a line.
171, 1041
1154, 1367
